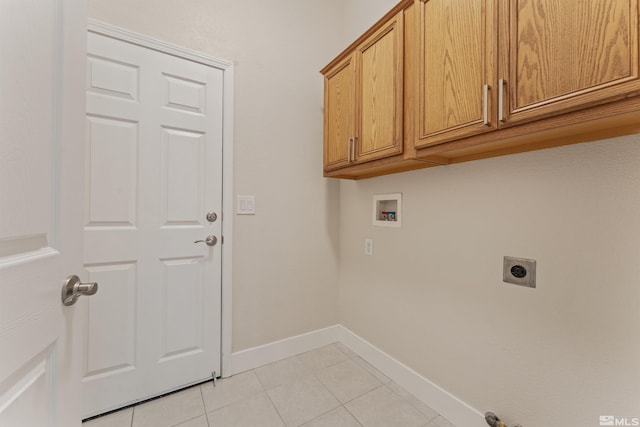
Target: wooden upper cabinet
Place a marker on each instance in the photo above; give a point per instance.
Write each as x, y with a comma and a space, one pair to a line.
456, 71
363, 89
380, 93
558, 56
487, 64
340, 113
445, 81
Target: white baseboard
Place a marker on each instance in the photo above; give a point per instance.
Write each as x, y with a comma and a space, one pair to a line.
446, 404
255, 357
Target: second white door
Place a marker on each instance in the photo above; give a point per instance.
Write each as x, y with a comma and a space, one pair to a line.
154, 170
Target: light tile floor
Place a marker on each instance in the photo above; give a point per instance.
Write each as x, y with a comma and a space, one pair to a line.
327, 387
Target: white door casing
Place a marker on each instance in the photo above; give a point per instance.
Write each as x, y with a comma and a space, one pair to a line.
42, 65
154, 167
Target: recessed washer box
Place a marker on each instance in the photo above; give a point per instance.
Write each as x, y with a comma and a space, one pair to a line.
387, 210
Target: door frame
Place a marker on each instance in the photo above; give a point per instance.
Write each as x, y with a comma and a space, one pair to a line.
226, 66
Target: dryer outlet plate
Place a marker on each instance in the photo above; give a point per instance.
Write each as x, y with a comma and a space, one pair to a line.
519, 271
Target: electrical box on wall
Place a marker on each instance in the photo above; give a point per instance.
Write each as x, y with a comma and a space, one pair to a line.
387, 210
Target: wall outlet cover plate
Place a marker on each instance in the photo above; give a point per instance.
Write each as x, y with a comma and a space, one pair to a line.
368, 247
519, 271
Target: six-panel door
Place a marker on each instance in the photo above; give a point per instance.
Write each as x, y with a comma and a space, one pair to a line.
154, 162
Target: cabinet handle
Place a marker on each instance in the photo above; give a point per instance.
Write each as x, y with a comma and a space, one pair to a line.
350, 150
501, 100
353, 148
485, 106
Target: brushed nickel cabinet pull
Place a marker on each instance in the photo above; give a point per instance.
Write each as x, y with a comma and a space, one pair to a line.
353, 148
485, 106
501, 100
350, 151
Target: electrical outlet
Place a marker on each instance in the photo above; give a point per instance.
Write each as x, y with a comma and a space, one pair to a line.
519, 271
368, 247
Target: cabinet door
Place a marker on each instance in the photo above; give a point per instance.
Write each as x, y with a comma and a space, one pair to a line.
457, 69
380, 91
558, 56
339, 114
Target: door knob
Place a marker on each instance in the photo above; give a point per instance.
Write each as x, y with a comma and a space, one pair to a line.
73, 289
210, 240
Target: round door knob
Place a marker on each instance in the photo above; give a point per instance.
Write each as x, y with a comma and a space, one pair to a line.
212, 216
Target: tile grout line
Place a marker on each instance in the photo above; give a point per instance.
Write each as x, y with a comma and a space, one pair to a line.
190, 419
412, 403
352, 415
314, 374
357, 397
265, 391
204, 405
236, 402
255, 372
317, 371
275, 407
330, 393
342, 404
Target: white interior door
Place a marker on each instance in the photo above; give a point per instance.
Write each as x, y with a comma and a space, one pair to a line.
154, 162
42, 65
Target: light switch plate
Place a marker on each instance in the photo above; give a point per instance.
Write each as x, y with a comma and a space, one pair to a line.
245, 205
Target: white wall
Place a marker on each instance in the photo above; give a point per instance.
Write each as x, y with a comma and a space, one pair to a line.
432, 294
286, 256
